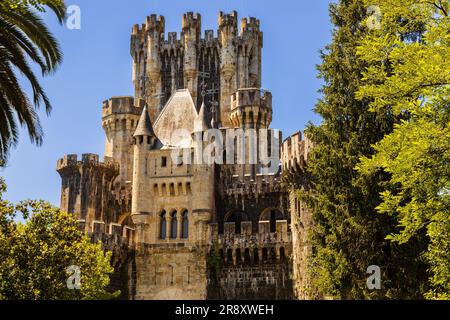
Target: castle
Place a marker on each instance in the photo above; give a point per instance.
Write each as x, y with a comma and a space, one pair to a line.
190, 195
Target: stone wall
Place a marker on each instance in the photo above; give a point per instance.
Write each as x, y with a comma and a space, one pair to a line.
295, 152
250, 266
169, 272
265, 281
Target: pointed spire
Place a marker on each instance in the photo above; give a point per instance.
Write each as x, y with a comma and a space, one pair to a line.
144, 127
200, 122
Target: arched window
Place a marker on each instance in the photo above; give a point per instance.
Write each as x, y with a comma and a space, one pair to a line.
162, 225
271, 216
174, 226
185, 225
230, 256
255, 255
264, 254
273, 254
252, 123
247, 256
237, 218
238, 256
273, 221
282, 254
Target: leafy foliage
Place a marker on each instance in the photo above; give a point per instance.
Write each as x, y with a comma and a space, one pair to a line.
23, 38
410, 71
35, 255
24, 4
348, 234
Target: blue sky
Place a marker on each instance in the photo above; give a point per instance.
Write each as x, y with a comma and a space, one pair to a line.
97, 65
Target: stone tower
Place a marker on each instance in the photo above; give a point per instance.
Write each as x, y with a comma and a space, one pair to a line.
86, 190
222, 64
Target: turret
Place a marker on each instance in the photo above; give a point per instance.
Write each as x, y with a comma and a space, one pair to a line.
86, 190
144, 140
227, 37
119, 119
191, 30
145, 50
252, 36
144, 134
155, 32
251, 108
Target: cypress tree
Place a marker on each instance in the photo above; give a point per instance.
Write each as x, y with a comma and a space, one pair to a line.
348, 234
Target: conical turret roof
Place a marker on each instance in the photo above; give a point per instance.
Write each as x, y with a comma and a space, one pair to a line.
144, 127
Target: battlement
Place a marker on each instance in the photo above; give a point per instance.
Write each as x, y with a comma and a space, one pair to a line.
251, 97
260, 184
155, 23
111, 234
87, 159
251, 107
227, 20
209, 36
152, 24
250, 24
172, 38
295, 151
191, 20
258, 240
247, 247
119, 105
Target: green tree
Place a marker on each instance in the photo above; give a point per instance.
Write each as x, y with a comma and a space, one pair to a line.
23, 4
24, 37
410, 71
35, 255
348, 235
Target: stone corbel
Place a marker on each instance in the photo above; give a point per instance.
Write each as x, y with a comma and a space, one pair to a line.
201, 217
141, 220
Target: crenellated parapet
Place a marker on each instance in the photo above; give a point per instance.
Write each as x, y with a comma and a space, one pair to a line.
227, 35
252, 186
247, 247
119, 120
228, 21
191, 24
226, 62
86, 188
250, 28
119, 105
120, 113
154, 26
294, 156
295, 152
251, 108
70, 162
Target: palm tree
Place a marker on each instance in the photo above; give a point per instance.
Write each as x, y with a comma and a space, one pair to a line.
24, 38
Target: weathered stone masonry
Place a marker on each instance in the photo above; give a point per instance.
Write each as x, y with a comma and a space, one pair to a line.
192, 231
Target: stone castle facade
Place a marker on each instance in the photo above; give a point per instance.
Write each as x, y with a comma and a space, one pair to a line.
182, 227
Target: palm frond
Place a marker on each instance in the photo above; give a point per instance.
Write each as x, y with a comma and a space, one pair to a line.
24, 37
